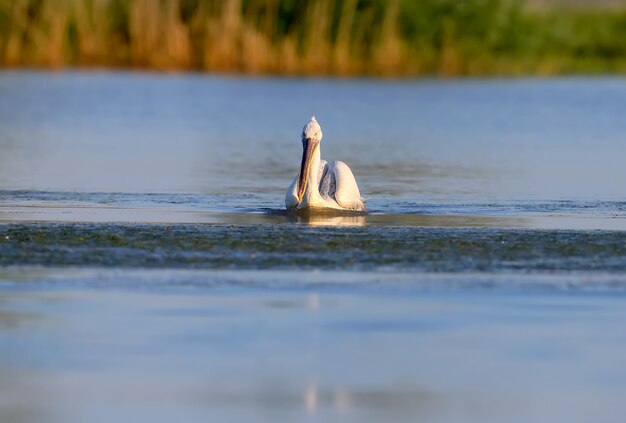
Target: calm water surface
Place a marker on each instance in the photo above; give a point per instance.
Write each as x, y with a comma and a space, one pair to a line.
147, 271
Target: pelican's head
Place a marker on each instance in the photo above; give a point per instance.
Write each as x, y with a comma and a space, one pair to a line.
312, 131
311, 137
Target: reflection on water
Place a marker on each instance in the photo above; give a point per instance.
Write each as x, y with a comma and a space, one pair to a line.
162, 347
317, 401
327, 219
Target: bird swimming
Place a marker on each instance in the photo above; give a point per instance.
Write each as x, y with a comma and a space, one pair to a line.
321, 185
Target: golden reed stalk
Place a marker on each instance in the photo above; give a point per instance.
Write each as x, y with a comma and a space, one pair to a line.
217, 36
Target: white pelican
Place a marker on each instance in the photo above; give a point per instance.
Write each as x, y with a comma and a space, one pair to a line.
320, 185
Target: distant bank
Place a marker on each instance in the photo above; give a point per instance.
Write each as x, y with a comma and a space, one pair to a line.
318, 37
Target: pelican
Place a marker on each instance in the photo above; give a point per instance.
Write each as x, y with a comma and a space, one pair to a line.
320, 185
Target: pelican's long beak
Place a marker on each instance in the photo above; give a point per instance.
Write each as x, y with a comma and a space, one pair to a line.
309, 147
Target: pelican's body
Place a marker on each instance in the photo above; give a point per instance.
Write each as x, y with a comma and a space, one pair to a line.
321, 185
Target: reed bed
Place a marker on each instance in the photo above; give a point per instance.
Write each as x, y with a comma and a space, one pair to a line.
314, 37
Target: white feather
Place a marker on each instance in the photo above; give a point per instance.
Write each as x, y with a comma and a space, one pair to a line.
331, 186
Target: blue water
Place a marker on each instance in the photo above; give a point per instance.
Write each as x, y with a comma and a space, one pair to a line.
544, 139
149, 272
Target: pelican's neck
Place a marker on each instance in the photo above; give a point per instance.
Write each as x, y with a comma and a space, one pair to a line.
312, 189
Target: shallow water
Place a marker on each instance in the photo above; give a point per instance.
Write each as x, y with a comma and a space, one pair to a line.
148, 271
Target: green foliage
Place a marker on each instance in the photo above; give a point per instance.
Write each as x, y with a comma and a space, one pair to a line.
346, 37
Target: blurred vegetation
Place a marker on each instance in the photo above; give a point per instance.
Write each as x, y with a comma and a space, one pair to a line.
317, 37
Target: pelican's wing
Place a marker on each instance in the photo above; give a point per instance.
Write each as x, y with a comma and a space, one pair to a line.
291, 198
346, 191
326, 183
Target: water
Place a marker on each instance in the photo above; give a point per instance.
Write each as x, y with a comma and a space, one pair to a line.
148, 272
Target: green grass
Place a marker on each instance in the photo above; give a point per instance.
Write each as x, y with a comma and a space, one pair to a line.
314, 37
